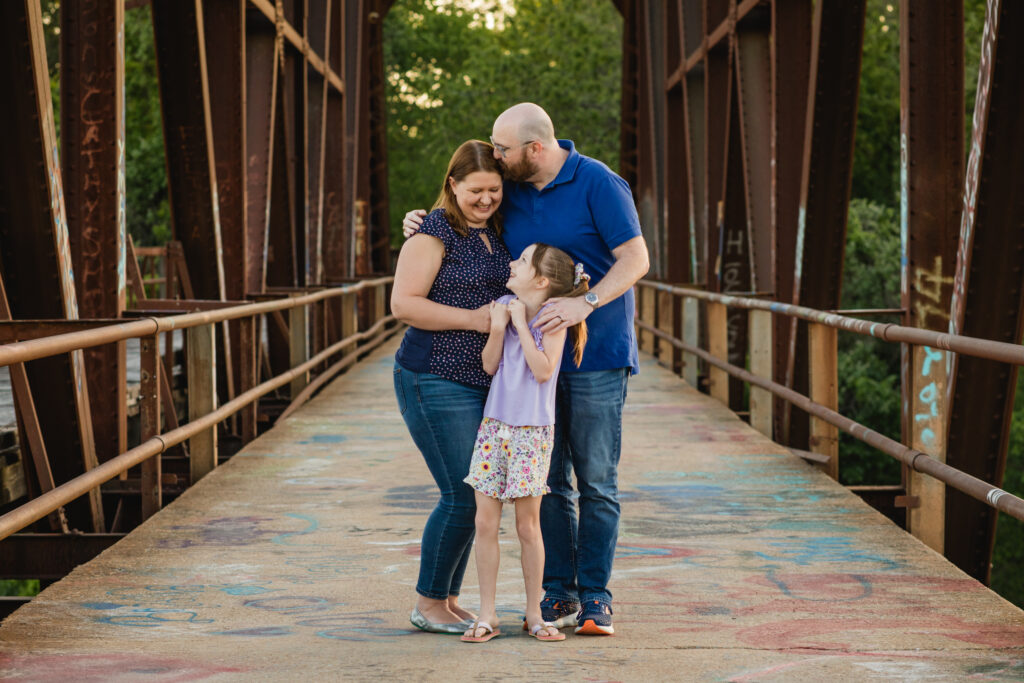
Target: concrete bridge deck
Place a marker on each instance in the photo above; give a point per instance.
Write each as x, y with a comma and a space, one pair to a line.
297, 559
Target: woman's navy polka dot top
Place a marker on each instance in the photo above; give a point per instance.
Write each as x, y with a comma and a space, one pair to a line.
470, 277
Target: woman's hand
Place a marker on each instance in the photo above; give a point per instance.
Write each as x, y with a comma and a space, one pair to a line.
412, 222
499, 316
517, 312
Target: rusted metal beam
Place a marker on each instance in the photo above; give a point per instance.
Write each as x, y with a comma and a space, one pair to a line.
282, 265
261, 83
678, 256
317, 29
179, 36
790, 67
629, 104
988, 289
376, 171
150, 399
754, 98
93, 158
931, 178
650, 186
225, 48
734, 243
337, 238
831, 119
35, 257
225, 51
717, 86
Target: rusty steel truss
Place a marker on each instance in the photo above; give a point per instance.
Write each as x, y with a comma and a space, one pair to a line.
738, 121
737, 135
274, 134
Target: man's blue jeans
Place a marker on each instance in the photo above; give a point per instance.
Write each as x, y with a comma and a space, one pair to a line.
588, 440
443, 418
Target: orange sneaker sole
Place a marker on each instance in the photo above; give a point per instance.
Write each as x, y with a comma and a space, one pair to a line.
589, 628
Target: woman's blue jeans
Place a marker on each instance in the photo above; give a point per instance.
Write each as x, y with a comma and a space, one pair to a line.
443, 418
588, 441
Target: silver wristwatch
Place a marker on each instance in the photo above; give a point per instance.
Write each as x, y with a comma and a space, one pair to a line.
591, 299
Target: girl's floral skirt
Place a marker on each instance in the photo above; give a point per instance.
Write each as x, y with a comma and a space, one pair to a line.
510, 462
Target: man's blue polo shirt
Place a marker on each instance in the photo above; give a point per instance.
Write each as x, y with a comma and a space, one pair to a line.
586, 211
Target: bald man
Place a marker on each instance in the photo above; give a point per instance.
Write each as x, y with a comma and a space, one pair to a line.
554, 194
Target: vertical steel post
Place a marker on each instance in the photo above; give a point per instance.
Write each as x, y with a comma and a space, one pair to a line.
988, 287
149, 423
93, 160
299, 330
760, 340
718, 346
249, 373
260, 95
931, 178
790, 66
179, 35
201, 368
824, 389
35, 255
691, 336
827, 171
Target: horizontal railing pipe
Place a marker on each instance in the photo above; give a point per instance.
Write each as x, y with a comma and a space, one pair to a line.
41, 506
915, 459
970, 346
21, 352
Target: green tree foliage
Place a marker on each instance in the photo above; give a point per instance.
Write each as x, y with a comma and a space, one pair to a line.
869, 369
1008, 556
876, 163
148, 213
452, 70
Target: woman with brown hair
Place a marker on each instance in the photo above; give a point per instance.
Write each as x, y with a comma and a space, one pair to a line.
446, 278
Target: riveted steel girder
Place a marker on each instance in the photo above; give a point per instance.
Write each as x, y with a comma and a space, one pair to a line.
988, 288
93, 160
179, 36
831, 119
931, 178
35, 256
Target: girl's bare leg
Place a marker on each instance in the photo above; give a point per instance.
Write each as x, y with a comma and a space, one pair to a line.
459, 611
488, 523
532, 543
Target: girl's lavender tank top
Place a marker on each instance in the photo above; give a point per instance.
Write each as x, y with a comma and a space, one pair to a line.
516, 398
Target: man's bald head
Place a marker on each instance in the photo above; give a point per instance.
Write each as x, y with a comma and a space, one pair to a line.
527, 121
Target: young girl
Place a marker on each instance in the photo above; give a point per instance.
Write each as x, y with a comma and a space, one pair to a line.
513, 445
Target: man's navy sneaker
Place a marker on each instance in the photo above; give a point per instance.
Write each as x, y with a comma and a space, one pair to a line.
595, 619
560, 613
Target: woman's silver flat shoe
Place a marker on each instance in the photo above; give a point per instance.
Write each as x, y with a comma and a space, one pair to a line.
424, 624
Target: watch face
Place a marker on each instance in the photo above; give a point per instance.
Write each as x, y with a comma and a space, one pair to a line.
590, 298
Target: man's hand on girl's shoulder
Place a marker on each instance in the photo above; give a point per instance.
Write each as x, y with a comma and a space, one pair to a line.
412, 222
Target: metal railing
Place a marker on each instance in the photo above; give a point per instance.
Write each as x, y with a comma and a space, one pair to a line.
820, 405
202, 374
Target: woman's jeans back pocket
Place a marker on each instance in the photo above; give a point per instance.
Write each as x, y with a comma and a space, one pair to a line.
399, 390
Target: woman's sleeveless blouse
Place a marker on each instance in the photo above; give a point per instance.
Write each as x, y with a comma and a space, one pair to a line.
469, 277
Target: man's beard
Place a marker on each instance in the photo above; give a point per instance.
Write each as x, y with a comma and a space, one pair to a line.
521, 171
